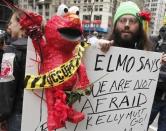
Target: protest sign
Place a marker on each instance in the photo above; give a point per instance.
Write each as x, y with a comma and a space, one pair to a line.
124, 86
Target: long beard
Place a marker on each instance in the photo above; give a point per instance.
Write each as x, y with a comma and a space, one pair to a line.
126, 42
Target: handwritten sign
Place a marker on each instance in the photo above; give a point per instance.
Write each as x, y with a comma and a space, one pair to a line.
121, 100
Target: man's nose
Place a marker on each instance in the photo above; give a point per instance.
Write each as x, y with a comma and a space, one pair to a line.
127, 22
127, 25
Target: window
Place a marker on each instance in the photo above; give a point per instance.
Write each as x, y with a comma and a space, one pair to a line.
96, 25
86, 17
85, 1
25, 6
110, 9
56, 9
85, 8
100, 7
47, 13
47, 6
97, 17
78, 1
40, 6
90, 8
96, 7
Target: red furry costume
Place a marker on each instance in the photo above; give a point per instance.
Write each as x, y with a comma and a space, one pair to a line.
56, 49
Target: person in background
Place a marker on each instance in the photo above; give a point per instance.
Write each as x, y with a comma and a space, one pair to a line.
9, 79
100, 36
19, 45
159, 104
3, 126
93, 39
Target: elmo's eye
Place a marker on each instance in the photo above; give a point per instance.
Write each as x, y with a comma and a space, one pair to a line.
74, 9
66, 10
77, 12
62, 10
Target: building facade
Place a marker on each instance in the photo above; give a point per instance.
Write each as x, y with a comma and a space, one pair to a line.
158, 11
96, 15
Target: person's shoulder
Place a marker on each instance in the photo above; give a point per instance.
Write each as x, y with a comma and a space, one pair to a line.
9, 49
20, 44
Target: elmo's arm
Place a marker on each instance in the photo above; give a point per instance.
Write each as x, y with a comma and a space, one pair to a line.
32, 23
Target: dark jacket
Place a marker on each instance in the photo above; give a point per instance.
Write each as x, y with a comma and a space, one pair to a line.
20, 48
160, 46
8, 81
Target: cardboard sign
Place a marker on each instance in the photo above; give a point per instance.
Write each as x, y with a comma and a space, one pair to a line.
124, 86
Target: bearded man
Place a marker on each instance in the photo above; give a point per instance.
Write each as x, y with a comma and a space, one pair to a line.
128, 31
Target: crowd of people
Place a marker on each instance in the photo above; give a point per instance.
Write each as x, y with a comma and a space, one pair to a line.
128, 32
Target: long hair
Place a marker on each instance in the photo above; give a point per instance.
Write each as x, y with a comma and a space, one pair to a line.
143, 42
18, 14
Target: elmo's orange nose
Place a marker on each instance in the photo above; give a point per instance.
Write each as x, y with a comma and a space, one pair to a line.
73, 17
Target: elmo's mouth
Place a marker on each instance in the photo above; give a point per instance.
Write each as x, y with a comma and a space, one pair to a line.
70, 34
